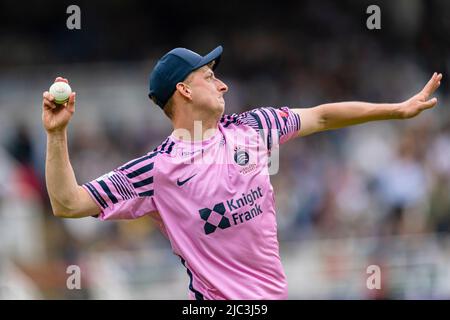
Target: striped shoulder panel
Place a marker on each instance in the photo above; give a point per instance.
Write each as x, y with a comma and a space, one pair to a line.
269, 121
269, 118
132, 180
165, 147
135, 178
251, 119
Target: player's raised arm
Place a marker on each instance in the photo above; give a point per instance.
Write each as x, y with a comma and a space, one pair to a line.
67, 198
343, 114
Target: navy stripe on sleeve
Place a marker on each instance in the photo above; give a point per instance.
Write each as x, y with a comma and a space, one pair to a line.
269, 127
127, 185
277, 121
297, 121
119, 187
96, 195
107, 191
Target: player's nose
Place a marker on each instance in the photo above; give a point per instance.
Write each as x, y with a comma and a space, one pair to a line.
222, 86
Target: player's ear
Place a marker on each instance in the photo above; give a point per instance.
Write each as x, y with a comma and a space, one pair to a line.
184, 89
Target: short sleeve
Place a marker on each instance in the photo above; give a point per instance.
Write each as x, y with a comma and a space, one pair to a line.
276, 125
126, 192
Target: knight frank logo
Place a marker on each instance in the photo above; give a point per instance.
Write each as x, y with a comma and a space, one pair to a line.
216, 219
241, 209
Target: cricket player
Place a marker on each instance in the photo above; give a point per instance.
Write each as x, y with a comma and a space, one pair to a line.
207, 185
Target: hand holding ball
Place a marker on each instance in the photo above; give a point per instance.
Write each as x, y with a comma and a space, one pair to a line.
61, 91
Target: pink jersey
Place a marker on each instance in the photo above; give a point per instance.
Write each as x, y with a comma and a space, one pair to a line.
214, 201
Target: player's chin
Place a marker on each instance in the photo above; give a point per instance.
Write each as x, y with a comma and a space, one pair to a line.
219, 107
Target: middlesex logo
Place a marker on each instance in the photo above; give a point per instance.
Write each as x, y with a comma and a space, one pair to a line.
215, 218
241, 157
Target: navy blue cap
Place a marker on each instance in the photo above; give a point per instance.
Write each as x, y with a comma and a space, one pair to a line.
174, 67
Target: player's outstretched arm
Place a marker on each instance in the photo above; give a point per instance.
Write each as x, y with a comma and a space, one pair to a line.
343, 114
68, 199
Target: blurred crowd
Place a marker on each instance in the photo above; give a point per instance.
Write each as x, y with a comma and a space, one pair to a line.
377, 193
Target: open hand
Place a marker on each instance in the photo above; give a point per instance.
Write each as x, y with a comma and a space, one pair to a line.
421, 101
